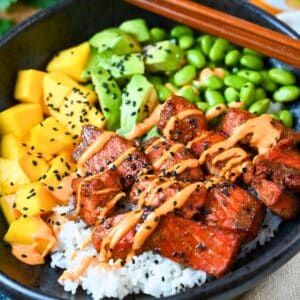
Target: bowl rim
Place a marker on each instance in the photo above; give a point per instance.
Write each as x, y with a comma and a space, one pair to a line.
231, 285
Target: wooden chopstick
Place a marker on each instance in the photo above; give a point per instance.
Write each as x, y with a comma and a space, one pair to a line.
236, 30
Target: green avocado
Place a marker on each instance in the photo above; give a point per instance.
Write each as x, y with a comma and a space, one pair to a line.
109, 96
163, 56
135, 97
138, 28
116, 41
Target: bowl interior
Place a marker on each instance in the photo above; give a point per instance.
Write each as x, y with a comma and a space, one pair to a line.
31, 45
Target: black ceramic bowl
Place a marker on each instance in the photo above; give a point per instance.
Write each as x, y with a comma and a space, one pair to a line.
31, 45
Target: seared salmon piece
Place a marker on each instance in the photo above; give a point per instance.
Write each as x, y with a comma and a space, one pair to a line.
192, 244
162, 158
230, 207
278, 199
190, 209
187, 127
129, 169
95, 194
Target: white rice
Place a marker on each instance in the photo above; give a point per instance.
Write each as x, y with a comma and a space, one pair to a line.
147, 273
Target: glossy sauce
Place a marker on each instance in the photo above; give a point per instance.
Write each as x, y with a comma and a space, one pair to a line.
215, 111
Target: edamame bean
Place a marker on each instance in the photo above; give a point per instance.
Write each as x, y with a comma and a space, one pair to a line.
275, 116
247, 93
251, 76
213, 82
202, 106
282, 77
286, 118
185, 75
287, 93
268, 84
189, 93
218, 50
232, 58
181, 30
206, 42
260, 94
186, 41
213, 98
157, 34
252, 52
196, 58
231, 95
163, 92
234, 81
155, 80
251, 62
259, 107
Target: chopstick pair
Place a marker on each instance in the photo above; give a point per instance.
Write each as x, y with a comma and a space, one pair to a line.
236, 30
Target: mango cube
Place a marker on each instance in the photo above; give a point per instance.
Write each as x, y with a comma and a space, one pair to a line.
71, 61
12, 148
57, 86
51, 137
34, 199
33, 165
60, 167
7, 204
31, 239
29, 87
11, 176
19, 119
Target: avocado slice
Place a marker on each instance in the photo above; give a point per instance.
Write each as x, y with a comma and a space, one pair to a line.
93, 62
116, 41
109, 95
135, 97
138, 28
163, 56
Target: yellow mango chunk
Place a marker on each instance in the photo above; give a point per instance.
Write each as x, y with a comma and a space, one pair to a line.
71, 61
29, 87
34, 199
77, 112
57, 86
19, 119
11, 176
33, 165
31, 239
51, 137
60, 167
7, 204
12, 148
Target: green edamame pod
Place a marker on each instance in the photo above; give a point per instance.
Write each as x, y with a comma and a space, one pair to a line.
252, 52
206, 42
251, 76
218, 50
163, 92
234, 81
247, 93
185, 75
251, 62
196, 58
286, 118
260, 94
232, 58
259, 107
186, 41
287, 93
275, 116
156, 80
189, 93
213, 82
202, 106
181, 30
268, 84
231, 95
157, 34
282, 77
213, 98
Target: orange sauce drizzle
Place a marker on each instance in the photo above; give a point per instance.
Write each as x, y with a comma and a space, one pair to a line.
215, 111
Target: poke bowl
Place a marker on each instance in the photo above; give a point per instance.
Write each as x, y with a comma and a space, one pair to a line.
35, 43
